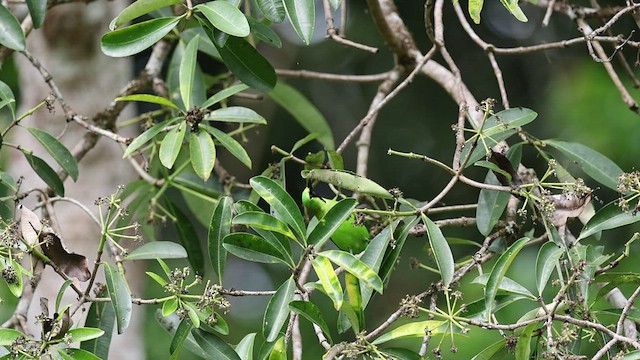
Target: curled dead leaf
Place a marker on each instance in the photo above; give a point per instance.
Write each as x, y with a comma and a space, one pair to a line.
567, 205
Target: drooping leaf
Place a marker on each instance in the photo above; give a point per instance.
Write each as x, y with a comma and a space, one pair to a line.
73, 265
58, 151
120, 296
302, 14
236, 114
506, 285
223, 94
46, 173
346, 180
311, 312
158, 249
354, 307
523, 348
245, 347
548, 256
373, 256
215, 347
133, 39
273, 10
188, 238
230, 144
305, 113
225, 17
264, 221
219, 227
441, 251
491, 350
514, 9
202, 152
594, 164
37, 9
264, 33
413, 329
245, 62
187, 72
170, 324
254, 248
171, 145
329, 280
498, 271
6, 95
610, 216
356, 267
281, 202
11, 34
277, 311
391, 258
147, 135
138, 9
329, 223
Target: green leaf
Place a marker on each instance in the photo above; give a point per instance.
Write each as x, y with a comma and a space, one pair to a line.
158, 249
215, 347
157, 278
302, 14
279, 350
514, 9
230, 144
102, 316
491, 350
353, 309
137, 37
245, 347
188, 238
264, 221
171, 145
16, 286
220, 226
236, 114
277, 311
548, 257
441, 251
311, 312
225, 17
264, 33
6, 95
180, 336
411, 330
391, 258
11, 34
246, 63
120, 296
346, 180
354, 266
46, 173
335, 4
254, 248
594, 164
523, 348
328, 280
202, 151
305, 113
58, 151
498, 271
329, 223
77, 354
373, 255
170, 324
187, 72
224, 94
281, 202
611, 216
37, 9
401, 354
169, 307
140, 8
8, 336
153, 99
85, 334
61, 291
147, 135
273, 10
506, 285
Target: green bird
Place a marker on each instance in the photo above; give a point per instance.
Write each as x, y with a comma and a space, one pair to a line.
349, 236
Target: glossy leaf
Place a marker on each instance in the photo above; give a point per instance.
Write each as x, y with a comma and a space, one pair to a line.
373, 255
63, 288
58, 151
273, 10
506, 285
264, 33
354, 302
215, 347
188, 238
263, 221
230, 144
6, 95
346, 180
11, 34
8, 336
180, 336
246, 63
140, 8
170, 324
508, 119
158, 249
548, 257
169, 307
498, 271
491, 350
120, 296
219, 227
391, 259
137, 37
411, 330
594, 164
236, 114
514, 9
329, 280
304, 111
224, 94
225, 17
302, 15
187, 72
202, 151
46, 173
399, 353
277, 311
523, 347
84, 334
245, 347
253, 248
329, 223
311, 312
610, 216
441, 251
147, 135
171, 145
356, 267
102, 316
37, 10
152, 99
281, 202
